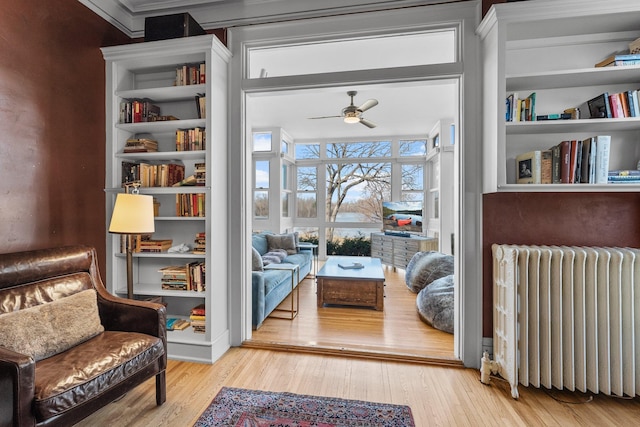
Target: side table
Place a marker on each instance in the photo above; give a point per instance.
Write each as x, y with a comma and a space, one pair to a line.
314, 251
295, 279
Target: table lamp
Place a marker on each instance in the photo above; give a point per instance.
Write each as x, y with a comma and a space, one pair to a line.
132, 215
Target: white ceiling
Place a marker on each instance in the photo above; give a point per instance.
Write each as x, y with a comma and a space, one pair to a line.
409, 109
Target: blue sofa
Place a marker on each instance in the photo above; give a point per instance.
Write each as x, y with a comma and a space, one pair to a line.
271, 287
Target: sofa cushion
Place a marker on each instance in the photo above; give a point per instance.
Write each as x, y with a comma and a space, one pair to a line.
85, 371
256, 260
47, 329
259, 242
282, 241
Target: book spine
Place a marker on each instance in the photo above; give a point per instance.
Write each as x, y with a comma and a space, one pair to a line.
603, 146
565, 162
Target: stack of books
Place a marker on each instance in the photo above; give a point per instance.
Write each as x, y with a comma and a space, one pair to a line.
198, 319
620, 60
154, 245
141, 145
200, 174
176, 324
624, 177
200, 246
174, 278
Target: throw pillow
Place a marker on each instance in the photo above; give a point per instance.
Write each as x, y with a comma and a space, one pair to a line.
256, 261
51, 328
282, 241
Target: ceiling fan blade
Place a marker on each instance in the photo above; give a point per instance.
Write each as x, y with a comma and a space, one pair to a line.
367, 123
368, 104
323, 117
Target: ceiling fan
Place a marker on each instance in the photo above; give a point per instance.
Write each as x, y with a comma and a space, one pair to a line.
353, 114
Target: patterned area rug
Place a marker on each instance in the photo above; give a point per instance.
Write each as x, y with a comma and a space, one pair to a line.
237, 407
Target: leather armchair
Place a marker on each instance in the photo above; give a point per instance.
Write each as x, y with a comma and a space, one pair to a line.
131, 350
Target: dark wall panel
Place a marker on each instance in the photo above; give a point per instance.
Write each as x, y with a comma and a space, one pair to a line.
583, 219
52, 130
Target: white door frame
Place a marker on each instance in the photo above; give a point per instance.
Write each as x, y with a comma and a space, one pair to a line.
463, 17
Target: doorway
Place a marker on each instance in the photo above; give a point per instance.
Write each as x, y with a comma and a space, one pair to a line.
360, 26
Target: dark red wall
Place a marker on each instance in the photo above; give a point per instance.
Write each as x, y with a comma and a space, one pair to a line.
52, 124
585, 219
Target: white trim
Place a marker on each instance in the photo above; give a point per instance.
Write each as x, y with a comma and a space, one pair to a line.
465, 16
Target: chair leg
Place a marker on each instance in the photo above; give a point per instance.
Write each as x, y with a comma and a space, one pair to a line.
161, 388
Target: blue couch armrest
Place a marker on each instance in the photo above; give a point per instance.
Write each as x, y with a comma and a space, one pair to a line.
258, 298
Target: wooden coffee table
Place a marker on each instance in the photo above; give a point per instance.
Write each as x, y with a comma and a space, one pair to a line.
358, 287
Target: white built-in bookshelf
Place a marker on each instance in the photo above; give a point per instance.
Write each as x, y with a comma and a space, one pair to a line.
148, 71
551, 47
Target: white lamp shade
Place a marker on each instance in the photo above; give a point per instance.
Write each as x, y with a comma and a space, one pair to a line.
132, 214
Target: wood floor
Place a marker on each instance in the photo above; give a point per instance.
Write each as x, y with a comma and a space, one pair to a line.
396, 333
437, 395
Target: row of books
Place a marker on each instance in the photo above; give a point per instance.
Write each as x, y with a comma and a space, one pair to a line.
152, 174
619, 60
569, 162
191, 74
624, 176
614, 105
189, 277
138, 111
199, 177
190, 205
191, 139
520, 110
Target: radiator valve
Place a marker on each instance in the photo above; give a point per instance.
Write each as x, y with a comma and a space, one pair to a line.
487, 367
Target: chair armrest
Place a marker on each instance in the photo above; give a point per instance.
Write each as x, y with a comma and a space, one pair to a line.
257, 296
122, 314
17, 387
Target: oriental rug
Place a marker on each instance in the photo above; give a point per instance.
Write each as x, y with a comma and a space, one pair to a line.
237, 407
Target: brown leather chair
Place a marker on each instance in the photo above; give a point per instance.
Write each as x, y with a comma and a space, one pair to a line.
66, 387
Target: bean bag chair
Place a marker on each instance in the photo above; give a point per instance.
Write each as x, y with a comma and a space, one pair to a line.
425, 267
435, 304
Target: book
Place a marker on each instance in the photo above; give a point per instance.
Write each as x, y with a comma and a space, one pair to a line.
585, 161
546, 159
603, 146
565, 162
528, 167
573, 160
555, 164
616, 106
599, 107
560, 116
352, 266
625, 172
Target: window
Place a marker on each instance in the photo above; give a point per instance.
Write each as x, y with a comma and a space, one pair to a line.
261, 141
412, 182
261, 189
307, 151
306, 196
413, 148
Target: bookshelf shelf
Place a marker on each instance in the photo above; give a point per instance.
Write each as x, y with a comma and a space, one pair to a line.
149, 71
552, 51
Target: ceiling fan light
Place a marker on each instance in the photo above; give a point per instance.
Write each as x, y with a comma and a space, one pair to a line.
351, 117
